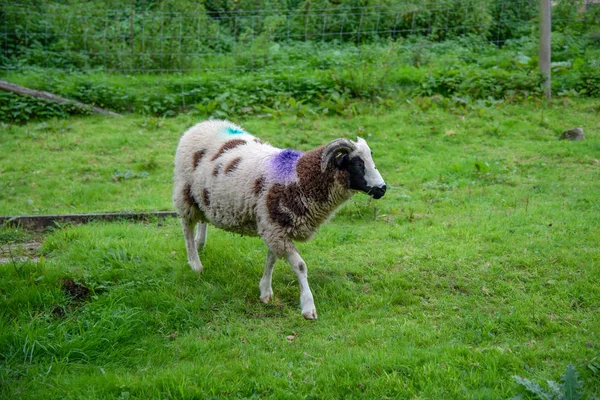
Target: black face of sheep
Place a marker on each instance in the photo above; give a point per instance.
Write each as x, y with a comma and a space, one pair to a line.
356, 159
357, 173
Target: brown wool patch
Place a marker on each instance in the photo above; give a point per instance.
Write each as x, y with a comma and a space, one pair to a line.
217, 170
277, 215
259, 185
314, 183
228, 146
198, 157
206, 197
285, 202
294, 200
233, 165
343, 179
189, 197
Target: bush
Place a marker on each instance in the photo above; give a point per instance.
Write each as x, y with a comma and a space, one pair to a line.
479, 84
20, 109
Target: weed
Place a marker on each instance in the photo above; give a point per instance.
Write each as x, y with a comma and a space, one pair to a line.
569, 389
9, 234
53, 125
119, 175
151, 164
152, 123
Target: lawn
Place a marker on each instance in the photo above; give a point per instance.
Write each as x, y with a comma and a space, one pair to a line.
481, 263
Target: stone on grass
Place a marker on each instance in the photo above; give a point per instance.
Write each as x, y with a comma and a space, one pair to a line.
572, 134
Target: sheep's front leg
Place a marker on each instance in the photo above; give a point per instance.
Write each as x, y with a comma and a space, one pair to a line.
266, 291
307, 302
190, 246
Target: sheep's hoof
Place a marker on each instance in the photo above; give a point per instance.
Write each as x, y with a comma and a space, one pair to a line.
266, 299
197, 267
311, 315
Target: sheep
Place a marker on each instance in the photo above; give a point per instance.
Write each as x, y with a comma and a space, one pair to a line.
231, 179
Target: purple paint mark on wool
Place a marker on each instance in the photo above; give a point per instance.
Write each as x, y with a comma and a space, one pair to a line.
283, 165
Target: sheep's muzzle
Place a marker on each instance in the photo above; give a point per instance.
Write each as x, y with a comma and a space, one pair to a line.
377, 192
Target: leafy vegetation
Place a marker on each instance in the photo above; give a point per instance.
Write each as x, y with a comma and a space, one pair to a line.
570, 389
391, 73
165, 35
226, 59
479, 264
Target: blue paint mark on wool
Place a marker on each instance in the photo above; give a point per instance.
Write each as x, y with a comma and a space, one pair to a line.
283, 165
230, 130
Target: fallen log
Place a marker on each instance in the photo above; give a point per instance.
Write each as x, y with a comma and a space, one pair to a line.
40, 94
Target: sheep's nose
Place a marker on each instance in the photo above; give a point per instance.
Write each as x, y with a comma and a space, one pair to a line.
378, 192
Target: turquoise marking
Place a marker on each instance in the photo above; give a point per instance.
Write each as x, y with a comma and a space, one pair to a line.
234, 131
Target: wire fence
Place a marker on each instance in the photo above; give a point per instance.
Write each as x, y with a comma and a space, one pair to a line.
173, 44
136, 39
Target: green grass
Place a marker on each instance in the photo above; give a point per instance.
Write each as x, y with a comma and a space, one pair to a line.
479, 264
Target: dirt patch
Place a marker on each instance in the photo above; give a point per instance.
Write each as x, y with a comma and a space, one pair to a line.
20, 251
58, 312
76, 291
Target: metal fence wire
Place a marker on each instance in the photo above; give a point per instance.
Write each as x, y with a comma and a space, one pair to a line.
191, 39
139, 38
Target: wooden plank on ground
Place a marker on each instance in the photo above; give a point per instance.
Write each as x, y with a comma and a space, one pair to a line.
41, 222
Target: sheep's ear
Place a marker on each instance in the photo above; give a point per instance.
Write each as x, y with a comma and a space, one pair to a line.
339, 150
341, 159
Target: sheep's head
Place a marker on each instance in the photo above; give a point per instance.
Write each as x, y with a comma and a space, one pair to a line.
356, 159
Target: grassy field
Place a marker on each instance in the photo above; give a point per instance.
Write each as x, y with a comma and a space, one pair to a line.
481, 263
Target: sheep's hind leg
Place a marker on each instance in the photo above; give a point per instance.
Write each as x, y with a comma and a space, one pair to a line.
266, 291
307, 302
190, 245
201, 235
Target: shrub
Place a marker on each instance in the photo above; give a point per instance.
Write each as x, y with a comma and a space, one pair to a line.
20, 109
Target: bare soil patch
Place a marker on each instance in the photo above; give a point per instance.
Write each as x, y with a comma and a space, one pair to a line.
20, 251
